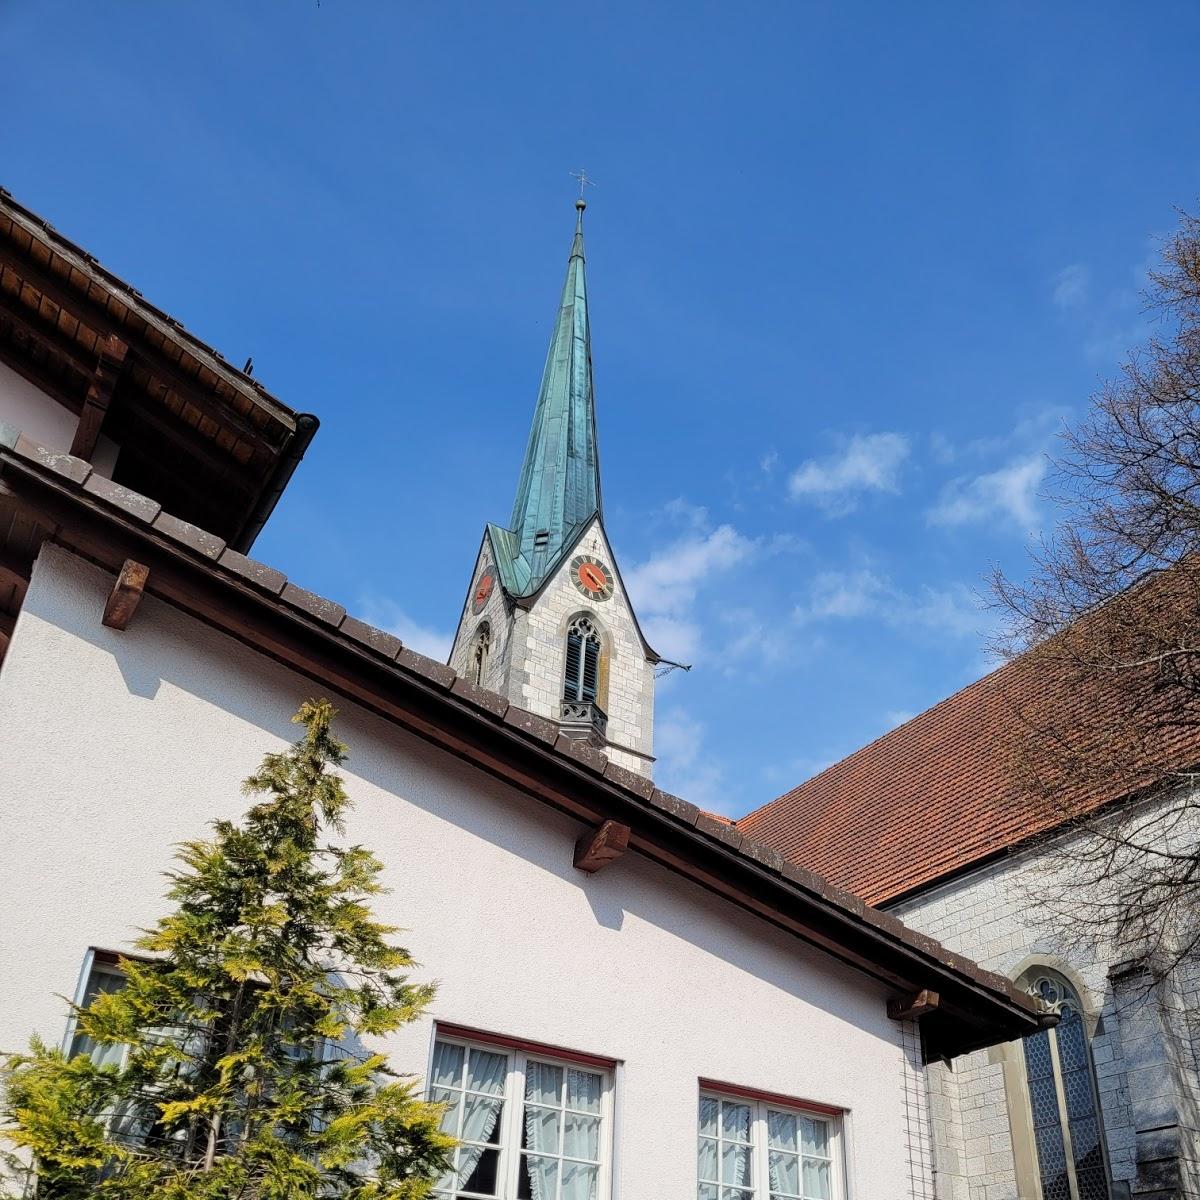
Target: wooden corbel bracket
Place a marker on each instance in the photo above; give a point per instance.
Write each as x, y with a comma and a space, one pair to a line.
126, 594
599, 847
99, 394
912, 1006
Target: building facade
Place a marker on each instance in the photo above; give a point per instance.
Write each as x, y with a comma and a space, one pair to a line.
926, 824
705, 1019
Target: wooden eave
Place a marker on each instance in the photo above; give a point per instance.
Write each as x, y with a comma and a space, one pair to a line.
187, 421
313, 636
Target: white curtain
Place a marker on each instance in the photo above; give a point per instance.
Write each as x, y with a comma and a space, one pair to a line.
543, 1115
486, 1072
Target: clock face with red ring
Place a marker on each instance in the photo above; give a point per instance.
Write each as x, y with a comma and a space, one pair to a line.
592, 577
483, 589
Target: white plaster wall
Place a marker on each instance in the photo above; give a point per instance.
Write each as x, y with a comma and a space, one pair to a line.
42, 419
115, 746
990, 917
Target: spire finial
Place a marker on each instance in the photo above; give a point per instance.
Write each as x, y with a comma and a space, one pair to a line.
584, 181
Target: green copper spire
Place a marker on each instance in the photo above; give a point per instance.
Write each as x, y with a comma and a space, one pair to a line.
559, 489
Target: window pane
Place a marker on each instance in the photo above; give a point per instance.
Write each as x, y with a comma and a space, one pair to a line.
708, 1191
582, 1137
483, 1177
735, 1121
543, 1084
735, 1163
447, 1064
541, 1129
708, 1160
482, 1120
735, 1194
815, 1137
453, 1101
100, 982
539, 1178
816, 1180
709, 1109
584, 1089
580, 1182
781, 1130
1047, 1128
487, 1072
785, 1173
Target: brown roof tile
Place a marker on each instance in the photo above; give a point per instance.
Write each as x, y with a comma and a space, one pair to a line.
938, 794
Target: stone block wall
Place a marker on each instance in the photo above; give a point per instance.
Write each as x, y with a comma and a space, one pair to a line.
991, 916
628, 699
528, 649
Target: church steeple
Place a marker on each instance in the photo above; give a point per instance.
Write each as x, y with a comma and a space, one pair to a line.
547, 622
559, 488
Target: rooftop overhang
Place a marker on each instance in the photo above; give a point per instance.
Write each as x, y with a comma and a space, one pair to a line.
959, 1006
205, 439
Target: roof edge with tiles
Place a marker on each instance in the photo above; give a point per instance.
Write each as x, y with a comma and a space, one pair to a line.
170, 328
519, 747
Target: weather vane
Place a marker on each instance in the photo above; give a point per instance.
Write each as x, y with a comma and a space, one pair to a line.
584, 181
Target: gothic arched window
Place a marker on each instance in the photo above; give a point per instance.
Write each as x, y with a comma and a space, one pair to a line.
1067, 1129
581, 678
481, 646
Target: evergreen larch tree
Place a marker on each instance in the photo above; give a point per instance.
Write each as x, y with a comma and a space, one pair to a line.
244, 1075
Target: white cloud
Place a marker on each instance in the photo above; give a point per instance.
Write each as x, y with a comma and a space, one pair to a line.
862, 594
675, 638
843, 594
898, 716
424, 639
1009, 493
867, 463
663, 588
1071, 286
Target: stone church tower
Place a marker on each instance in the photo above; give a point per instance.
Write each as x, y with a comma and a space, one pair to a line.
547, 622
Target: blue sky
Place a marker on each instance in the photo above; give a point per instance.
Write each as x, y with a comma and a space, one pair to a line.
850, 265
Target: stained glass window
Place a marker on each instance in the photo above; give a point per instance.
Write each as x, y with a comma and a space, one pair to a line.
1067, 1126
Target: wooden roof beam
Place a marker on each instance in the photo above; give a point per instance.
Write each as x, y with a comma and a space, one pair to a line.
47, 334
86, 310
99, 394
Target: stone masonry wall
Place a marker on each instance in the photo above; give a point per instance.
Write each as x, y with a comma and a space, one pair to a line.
987, 916
526, 660
629, 702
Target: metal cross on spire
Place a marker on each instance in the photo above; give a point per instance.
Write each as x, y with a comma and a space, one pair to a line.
584, 181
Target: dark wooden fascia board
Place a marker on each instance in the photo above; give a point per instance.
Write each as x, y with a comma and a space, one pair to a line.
437, 715
97, 318
46, 334
24, 223
55, 386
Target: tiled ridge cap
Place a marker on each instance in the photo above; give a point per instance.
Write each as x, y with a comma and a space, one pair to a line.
389, 648
174, 328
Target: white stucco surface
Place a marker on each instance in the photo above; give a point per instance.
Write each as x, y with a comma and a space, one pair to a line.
42, 419
115, 746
